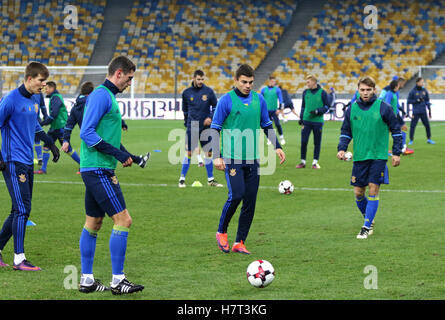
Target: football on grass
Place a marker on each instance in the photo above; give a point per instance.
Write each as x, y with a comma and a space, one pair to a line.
260, 273
286, 187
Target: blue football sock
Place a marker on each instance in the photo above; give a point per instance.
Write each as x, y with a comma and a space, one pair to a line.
87, 246
38, 148
45, 158
209, 168
403, 138
75, 156
371, 210
185, 166
362, 204
118, 247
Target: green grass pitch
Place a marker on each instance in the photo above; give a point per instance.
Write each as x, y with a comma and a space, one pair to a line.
309, 236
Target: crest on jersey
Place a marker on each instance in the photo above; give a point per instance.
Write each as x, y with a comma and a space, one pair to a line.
36, 107
114, 179
191, 98
232, 172
22, 178
204, 97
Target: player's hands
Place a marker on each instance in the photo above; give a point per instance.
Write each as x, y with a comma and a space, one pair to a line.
128, 162
281, 155
219, 164
207, 122
341, 155
300, 122
65, 146
395, 161
55, 152
404, 127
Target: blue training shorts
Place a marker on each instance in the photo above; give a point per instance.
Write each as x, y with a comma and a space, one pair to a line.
103, 193
369, 171
194, 138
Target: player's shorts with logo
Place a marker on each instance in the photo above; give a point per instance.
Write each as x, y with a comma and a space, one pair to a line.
369, 171
103, 193
194, 135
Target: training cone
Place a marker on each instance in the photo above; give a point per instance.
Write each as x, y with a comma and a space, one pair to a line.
196, 184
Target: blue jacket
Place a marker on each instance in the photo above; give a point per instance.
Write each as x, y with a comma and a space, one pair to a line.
76, 115
198, 104
19, 125
287, 100
420, 100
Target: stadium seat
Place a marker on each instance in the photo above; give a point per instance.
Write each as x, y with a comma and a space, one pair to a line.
338, 49
198, 34
35, 30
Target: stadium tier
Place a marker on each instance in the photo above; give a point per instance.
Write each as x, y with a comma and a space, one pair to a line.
37, 30
338, 49
215, 36
436, 81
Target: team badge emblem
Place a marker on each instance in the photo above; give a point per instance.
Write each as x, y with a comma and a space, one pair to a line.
191, 98
204, 97
232, 172
22, 178
36, 107
114, 179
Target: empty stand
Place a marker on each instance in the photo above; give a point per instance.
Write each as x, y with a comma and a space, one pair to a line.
338, 49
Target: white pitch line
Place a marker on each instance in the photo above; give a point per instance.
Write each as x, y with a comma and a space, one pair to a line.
261, 187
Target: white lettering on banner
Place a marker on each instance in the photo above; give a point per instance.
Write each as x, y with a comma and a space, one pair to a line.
164, 108
437, 109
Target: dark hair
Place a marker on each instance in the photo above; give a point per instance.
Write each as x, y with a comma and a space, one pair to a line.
51, 84
121, 62
393, 84
244, 70
271, 77
198, 73
418, 79
86, 88
33, 69
367, 80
